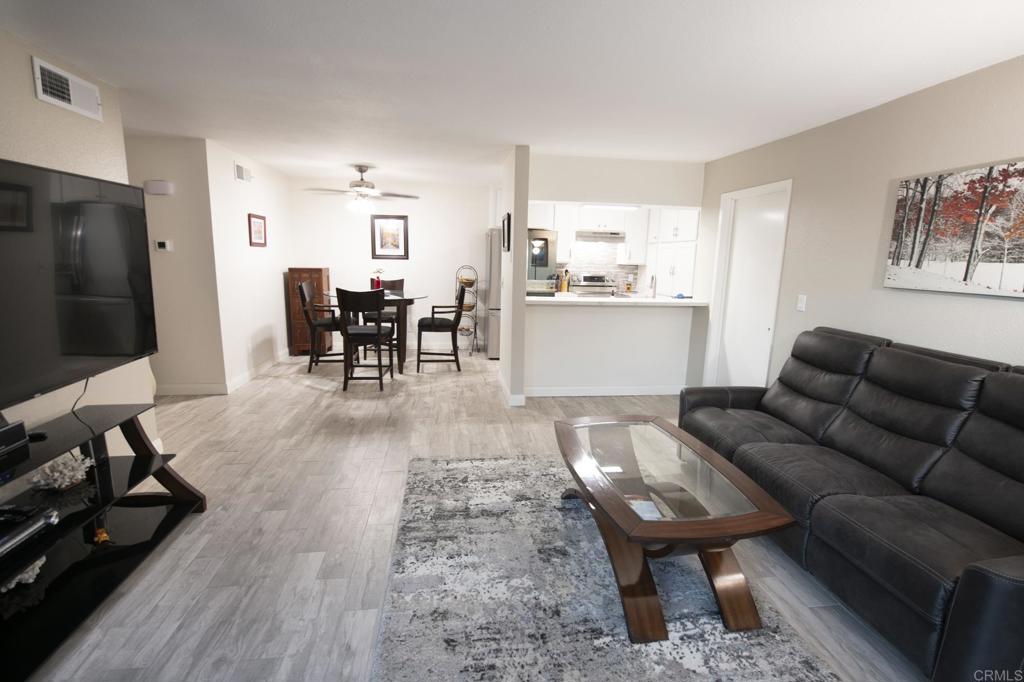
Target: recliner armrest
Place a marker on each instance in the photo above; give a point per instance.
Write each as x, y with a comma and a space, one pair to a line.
739, 397
985, 626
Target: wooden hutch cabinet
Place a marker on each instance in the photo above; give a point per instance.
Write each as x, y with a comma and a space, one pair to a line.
298, 332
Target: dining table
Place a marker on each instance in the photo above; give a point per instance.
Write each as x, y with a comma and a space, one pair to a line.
401, 301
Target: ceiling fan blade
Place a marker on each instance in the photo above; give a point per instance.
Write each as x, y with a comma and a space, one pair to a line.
328, 190
393, 195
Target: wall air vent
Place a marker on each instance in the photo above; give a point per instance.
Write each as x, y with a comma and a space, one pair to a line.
242, 173
67, 91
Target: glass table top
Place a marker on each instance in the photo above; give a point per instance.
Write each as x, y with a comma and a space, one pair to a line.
660, 477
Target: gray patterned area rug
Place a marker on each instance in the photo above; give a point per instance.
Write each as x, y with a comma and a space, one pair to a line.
495, 578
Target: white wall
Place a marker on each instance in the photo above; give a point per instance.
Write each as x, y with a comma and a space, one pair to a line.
578, 178
844, 193
45, 135
515, 200
250, 280
447, 228
191, 357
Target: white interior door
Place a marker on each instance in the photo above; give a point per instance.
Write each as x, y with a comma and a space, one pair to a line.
752, 238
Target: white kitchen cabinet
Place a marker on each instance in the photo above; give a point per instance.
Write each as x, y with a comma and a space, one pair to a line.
634, 250
674, 268
541, 215
566, 222
600, 218
676, 225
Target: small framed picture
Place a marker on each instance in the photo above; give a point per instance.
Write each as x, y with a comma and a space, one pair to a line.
15, 208
389, 237
257, 230
506, 232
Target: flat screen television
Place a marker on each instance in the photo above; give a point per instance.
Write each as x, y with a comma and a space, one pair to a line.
76, 295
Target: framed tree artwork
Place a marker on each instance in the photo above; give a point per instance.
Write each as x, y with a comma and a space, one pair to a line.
257, 230
389, 237
960, 231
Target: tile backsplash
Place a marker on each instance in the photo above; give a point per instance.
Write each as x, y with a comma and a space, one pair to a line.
599, 258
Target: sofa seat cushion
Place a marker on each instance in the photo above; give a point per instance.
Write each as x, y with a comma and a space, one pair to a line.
800, 476
913, 546
726, 430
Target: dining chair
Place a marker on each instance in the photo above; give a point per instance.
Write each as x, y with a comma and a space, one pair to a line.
318, 325
354, 304
442, 324
388, 316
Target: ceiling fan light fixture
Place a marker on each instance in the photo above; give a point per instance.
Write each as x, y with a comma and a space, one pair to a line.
361, 204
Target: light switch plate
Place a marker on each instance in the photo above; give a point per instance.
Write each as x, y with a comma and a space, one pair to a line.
163, 245
801, 302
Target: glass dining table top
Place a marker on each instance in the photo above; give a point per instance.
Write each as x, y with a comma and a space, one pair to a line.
659, 476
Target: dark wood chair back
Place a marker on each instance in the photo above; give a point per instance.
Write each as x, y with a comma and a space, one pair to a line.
460, 300
354, 303
389, 284
307, 295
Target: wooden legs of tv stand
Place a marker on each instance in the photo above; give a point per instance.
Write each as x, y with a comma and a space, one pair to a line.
177, 487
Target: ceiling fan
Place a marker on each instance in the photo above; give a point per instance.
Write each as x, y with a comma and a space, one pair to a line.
363, 192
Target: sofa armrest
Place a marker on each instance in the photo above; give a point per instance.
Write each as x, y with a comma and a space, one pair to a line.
984, 625
739, 397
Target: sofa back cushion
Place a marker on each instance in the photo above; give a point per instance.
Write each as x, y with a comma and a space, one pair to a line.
990, 365
983, 474
817, 380
905, 413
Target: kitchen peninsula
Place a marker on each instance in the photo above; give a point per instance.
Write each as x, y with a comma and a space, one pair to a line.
613, 345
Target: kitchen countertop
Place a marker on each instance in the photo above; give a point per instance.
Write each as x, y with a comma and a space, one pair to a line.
658, 301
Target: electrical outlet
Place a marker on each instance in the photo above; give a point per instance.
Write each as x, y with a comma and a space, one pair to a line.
801, 302
163, 245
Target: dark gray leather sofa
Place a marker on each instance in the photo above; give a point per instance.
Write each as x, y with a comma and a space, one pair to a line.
904, 469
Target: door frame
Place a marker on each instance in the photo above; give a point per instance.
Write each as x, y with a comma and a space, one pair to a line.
723, 255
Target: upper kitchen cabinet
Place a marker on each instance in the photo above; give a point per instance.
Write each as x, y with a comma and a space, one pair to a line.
634, 250
597, 217
675, 225
541, 214
567, 217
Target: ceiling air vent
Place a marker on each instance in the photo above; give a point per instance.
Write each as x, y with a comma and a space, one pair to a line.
67, 91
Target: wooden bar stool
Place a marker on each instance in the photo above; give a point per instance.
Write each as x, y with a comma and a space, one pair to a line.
442, 324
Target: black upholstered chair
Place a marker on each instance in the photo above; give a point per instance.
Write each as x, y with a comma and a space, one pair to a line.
442, 324
318, 324
354, 304
388, 316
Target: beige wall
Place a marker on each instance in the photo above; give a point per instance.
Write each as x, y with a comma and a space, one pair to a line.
250, 280
447, 229
844, 193
191, 358
578, 178
515, 200
38, 133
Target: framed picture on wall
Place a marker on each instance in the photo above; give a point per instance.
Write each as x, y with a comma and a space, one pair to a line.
15, 208
960, 231
257, 230
389, 237
506, 232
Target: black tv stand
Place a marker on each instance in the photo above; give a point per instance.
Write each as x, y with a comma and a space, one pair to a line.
82, 567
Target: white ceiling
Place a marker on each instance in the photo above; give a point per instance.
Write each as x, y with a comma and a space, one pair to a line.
437, 89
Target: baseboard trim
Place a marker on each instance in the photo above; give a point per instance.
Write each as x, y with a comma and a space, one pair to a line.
511, 399
191, 389
594, 391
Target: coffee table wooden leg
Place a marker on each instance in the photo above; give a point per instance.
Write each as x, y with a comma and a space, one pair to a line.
644, 618
739, 612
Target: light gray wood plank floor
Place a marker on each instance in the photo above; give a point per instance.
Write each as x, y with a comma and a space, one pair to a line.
283, 578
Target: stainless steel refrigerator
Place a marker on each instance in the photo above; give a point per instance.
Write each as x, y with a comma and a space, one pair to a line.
493, 294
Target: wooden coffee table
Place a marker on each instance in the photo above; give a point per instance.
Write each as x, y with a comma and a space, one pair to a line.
655, 490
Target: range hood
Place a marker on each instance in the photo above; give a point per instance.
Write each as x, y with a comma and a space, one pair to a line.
600, 236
